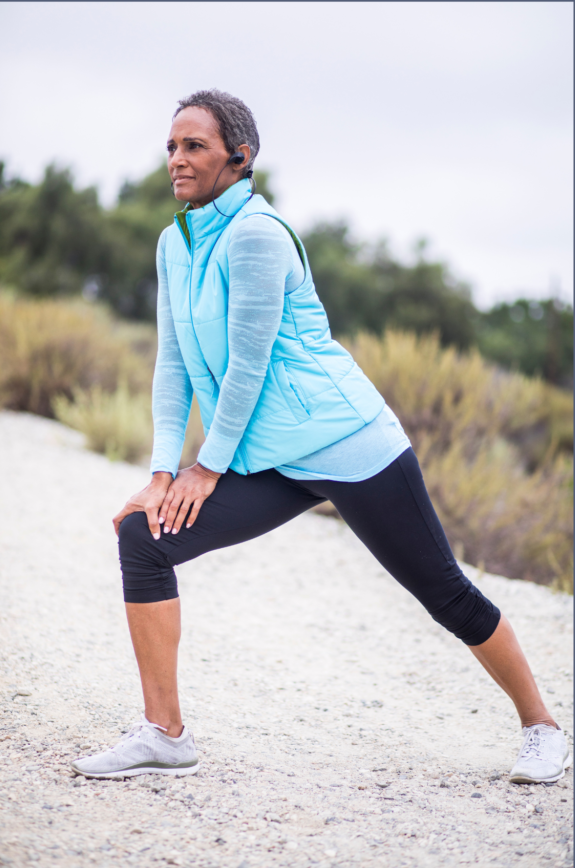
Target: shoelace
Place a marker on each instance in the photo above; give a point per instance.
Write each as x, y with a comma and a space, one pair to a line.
532, 747
136, 730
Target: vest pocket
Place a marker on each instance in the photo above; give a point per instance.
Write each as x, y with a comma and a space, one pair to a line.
293, 392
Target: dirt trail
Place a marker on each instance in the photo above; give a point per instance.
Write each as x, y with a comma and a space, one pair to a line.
338, 724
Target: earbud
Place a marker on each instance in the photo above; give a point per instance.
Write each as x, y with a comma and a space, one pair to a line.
237, 159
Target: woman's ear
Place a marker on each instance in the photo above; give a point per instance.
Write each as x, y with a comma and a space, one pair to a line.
241, 167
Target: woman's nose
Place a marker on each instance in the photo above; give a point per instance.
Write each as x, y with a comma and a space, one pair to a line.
178, 157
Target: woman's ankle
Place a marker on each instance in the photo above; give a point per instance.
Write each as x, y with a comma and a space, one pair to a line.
534, 721
171, 727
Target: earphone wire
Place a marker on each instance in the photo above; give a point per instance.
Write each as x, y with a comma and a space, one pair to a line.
249, 174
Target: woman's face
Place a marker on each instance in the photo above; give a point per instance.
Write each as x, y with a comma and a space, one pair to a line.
196, 154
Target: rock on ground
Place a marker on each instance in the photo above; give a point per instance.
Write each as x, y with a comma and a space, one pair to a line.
338, 724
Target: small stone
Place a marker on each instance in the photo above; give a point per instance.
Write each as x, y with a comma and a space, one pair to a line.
291, 845
383, 786
444, 784
538, 809
23, 691
474, 710
550, 690
272, 818
520, 852
495, 777
220, 841
85, 746
476, 796
136, 831
330, 853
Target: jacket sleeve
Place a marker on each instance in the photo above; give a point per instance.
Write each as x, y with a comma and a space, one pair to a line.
172, 390
261, 263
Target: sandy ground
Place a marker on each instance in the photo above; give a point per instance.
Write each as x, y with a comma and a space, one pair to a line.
337, 723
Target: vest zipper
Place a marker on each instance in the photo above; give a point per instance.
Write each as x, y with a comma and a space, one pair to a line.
244, 458
215, 386
295, 390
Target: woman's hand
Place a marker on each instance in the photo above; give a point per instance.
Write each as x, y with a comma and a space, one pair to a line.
192, 485
149, 500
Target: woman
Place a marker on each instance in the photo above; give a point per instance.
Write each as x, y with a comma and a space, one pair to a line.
290, 421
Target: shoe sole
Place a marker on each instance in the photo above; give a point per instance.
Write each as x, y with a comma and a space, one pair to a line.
523, 779
140, 769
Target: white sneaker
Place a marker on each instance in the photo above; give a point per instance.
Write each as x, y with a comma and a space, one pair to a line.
543, 757
143, 750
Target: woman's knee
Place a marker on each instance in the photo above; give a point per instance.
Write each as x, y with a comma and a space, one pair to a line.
470, 616
133, 533
147, 574
140, 553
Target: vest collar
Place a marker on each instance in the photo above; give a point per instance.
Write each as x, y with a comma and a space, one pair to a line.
207, 220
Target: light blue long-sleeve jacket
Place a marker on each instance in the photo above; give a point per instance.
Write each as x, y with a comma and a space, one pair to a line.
313, 393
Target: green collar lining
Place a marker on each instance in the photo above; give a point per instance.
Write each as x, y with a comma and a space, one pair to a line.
181, 218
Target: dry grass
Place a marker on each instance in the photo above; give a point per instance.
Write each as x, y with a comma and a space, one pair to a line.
74, 361
494, 448
118, 424
52, 348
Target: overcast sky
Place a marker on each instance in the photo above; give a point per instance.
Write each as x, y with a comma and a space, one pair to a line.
451, 120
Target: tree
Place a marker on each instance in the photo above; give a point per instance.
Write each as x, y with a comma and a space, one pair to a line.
364, 287
52, 236
57, 240
535, 337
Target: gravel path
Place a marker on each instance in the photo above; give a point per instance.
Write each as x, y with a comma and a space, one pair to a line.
338, 724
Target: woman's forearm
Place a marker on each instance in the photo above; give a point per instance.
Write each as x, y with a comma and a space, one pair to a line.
172, 390
260, 261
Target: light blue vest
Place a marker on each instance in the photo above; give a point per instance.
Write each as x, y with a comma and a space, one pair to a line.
313, 394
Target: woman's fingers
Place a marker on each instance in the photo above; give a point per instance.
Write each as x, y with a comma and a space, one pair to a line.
194, 513
167, 502
118, 519
177, 498
189, 487
127, 510
153, 523
182, 512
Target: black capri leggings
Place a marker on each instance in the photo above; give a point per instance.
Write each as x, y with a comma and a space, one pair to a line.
391, 513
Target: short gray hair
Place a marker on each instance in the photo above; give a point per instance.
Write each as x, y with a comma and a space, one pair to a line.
236, 123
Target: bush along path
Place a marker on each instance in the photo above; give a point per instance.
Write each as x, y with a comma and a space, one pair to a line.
337, 723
